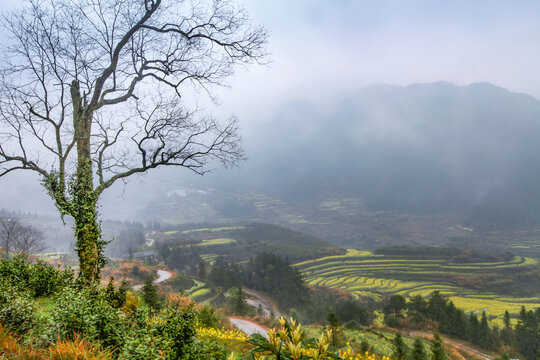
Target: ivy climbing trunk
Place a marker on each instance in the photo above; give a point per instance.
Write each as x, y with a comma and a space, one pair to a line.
89, 245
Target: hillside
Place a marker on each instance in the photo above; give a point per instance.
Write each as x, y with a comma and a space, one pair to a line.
242, 241
491, 285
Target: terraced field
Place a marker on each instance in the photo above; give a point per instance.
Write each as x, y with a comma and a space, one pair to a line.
367, 275
221, 241
529, 246
200, 292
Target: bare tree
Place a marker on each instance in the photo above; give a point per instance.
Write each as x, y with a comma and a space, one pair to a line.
91, 94
15, 236
9, 229
29, 240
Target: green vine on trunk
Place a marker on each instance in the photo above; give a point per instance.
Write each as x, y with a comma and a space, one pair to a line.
79, 200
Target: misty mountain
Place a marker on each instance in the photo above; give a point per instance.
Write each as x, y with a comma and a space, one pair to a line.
421, 148
424, 148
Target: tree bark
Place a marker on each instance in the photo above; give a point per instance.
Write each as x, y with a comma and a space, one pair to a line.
88, 245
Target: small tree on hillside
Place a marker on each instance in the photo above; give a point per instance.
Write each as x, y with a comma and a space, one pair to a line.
437, 348
338, 337
150, 294
90, 94
418, 352
400, 349
237, 301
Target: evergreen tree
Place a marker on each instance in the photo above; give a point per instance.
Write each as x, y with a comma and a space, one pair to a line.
393, 307
472, 329
507, 332
484, 335
527, 334
417, 308
437, 348
201, 270
237, 301
338, 338
507, 323
418, 351
400, 349
436, 305
150, 295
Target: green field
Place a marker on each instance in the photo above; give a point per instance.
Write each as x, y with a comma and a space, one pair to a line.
367, 275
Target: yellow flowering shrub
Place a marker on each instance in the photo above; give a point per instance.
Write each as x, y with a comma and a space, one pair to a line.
349, 354
289, 343
221, 334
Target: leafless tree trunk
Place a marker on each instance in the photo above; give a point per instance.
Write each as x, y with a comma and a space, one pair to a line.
90, 94
15, 236
30, 241
8, 234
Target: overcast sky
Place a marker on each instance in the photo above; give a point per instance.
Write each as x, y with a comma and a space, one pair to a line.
322, 50
325, 48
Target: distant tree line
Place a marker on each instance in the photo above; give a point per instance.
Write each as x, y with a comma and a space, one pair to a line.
524, 337
266, 272
275, 276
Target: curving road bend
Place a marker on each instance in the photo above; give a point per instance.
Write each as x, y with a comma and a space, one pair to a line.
162, 276
248, 327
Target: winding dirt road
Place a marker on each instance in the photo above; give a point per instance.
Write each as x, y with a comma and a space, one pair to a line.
248, 327
162, 276
257, 299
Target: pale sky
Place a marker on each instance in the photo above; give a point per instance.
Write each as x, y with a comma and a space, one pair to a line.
324, 50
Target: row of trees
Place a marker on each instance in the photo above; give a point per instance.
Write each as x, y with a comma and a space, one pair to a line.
275, 276
418, 352
21, 238
524, 337
266, 272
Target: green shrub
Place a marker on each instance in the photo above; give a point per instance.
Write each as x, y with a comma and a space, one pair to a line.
207, 317
201, 350
150, 295
86, 312
16, 309
182, 282
46, 280
179, 327
39, 279
167, 335
117, 298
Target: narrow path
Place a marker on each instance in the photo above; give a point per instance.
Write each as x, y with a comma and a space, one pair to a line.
248, 327
459, 346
